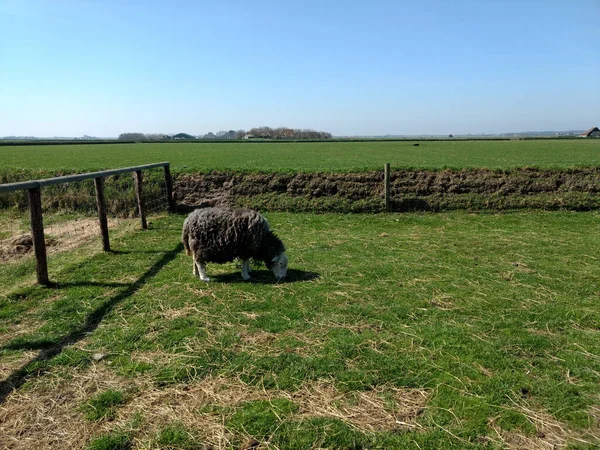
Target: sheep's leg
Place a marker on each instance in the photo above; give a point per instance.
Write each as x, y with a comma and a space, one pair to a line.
195, 269
201, 270
246, 269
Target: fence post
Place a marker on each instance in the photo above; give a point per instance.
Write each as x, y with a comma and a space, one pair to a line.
169, 184
37, 235
137, 175
386, 180
101, 206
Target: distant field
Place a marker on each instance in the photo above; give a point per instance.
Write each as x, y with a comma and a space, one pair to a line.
309, 157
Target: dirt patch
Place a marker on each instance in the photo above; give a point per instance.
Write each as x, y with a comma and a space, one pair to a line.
68, 235
411, 190
15, 247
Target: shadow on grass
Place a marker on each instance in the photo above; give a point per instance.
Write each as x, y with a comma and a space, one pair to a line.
62, 285
35, 366
28, 344
266, 277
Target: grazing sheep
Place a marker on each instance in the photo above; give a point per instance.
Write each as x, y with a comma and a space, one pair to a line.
220, 235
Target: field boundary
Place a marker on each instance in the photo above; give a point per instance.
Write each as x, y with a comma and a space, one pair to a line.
409, 190
24, 142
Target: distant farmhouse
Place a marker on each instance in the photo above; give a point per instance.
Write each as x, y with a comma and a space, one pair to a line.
592, 132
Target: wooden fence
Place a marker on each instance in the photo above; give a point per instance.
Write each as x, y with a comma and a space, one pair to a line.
35, 205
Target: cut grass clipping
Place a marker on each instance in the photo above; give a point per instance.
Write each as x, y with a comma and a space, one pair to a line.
449, 330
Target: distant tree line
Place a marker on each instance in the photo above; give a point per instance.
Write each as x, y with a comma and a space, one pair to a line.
143, 137
268, 133
254, 133
231, 134
285, 133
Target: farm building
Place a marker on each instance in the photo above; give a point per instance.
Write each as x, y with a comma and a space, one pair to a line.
592, 132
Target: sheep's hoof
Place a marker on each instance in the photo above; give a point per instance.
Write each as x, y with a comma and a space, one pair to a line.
246, 278
206, 279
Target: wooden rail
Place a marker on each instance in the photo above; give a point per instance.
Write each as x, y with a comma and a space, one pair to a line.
35, 205
78, 177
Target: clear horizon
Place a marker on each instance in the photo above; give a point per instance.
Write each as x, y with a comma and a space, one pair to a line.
334, 135
102, 68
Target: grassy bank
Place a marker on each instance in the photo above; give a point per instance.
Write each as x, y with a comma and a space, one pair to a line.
392, 331
410, 190
342, 192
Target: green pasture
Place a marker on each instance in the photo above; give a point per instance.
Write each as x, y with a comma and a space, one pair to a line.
422, 331
309, 156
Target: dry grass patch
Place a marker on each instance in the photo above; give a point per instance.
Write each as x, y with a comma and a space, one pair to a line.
355, 327
442, 301
188, 310
47, 413
386, 408
258, 339
267, 343
551, 434
158, 356
12, 363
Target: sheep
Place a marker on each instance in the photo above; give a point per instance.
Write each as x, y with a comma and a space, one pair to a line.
220, 235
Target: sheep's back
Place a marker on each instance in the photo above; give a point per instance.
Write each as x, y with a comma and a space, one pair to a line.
221, 235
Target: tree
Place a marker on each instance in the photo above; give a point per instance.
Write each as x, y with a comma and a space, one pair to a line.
132, 137
143, 137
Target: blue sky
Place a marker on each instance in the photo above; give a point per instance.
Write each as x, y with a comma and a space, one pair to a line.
104, 67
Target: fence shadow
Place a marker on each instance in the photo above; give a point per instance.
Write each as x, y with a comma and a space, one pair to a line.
50, 349
67, 284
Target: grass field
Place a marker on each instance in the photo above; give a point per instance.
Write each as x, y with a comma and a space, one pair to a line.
392, 331
314, 156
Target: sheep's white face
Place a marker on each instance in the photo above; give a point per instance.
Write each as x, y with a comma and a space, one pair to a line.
279, 266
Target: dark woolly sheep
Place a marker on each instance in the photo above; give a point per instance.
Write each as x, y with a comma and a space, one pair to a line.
220, 235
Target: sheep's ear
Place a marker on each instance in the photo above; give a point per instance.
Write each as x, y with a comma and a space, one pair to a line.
275, 259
